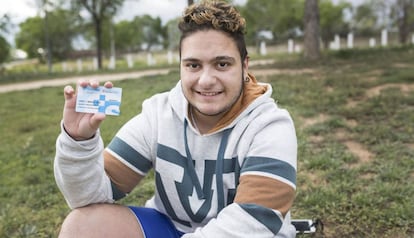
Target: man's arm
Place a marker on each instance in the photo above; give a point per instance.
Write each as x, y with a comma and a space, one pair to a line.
78, 166
79, 171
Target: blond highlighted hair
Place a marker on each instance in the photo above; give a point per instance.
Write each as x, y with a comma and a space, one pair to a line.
214, 15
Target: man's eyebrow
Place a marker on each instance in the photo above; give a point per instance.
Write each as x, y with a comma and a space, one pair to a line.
190, 59
218, 58
228, 58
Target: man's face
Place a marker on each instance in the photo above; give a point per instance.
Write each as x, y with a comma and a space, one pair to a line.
211, 72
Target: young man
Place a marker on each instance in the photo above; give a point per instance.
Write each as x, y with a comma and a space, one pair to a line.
223, 153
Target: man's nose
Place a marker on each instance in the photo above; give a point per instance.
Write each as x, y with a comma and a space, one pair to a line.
207, 77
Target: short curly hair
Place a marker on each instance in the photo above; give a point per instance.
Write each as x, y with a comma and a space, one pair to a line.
214, 15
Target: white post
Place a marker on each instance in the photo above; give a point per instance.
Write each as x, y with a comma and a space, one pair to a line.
150, 59
332, 45
350, 40
95, 63
170, 57
337, 42
384, 37
263, 50
79, 64
372, 42
297, 48
64, 66
129, 60
112, 62
290, 46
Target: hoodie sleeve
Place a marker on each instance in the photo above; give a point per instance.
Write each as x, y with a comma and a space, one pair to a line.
261, 209
79, 171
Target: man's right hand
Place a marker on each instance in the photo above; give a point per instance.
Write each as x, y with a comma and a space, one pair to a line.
80, 126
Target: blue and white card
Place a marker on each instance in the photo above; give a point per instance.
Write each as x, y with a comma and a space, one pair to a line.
100, 99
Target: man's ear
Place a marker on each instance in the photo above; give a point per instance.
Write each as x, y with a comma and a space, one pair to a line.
246, 65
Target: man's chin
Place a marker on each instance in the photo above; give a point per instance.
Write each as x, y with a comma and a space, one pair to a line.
211, 112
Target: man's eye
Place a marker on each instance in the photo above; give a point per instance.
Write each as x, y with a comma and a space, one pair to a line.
223, 64
192, 66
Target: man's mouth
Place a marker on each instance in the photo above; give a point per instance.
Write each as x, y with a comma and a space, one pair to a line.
209, 94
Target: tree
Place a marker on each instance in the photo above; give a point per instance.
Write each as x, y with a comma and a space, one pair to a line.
127, 37
100, 11
31, 36
152, 31
172, 37
4, 50
312, 32
141, 31
401, 13
62, 28
4, 45
364, 21
374, 15
190, 2
283, 18
332, 20
4, 23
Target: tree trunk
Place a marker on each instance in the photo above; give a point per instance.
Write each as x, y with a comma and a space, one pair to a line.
312, 30
98, 32
190, 2
99, 10
403, 25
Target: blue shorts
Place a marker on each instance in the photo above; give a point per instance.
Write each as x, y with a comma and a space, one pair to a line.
155, 224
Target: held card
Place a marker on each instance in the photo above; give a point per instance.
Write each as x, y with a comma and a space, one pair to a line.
100, 99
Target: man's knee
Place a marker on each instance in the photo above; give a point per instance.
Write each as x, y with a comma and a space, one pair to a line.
81, 221
100, 220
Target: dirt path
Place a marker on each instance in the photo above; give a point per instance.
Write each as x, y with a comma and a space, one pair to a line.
72, 80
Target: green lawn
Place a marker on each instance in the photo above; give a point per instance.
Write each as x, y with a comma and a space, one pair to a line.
354, 114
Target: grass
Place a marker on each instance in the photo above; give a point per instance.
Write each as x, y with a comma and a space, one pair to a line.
356, 149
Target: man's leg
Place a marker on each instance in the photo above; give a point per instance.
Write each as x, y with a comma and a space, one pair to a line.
101, 220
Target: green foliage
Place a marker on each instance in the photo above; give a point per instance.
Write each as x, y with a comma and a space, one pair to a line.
4, 49
151, 30
282, 18
332, 20
31, 36
61, 29
365, 20
172, 35
354, 197
127, 36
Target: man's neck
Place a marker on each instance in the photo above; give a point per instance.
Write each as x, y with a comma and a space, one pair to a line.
203, 123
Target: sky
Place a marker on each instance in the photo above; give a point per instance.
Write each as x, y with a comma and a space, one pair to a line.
20, 10
166, 9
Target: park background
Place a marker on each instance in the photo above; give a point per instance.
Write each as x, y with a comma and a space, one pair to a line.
352, 102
